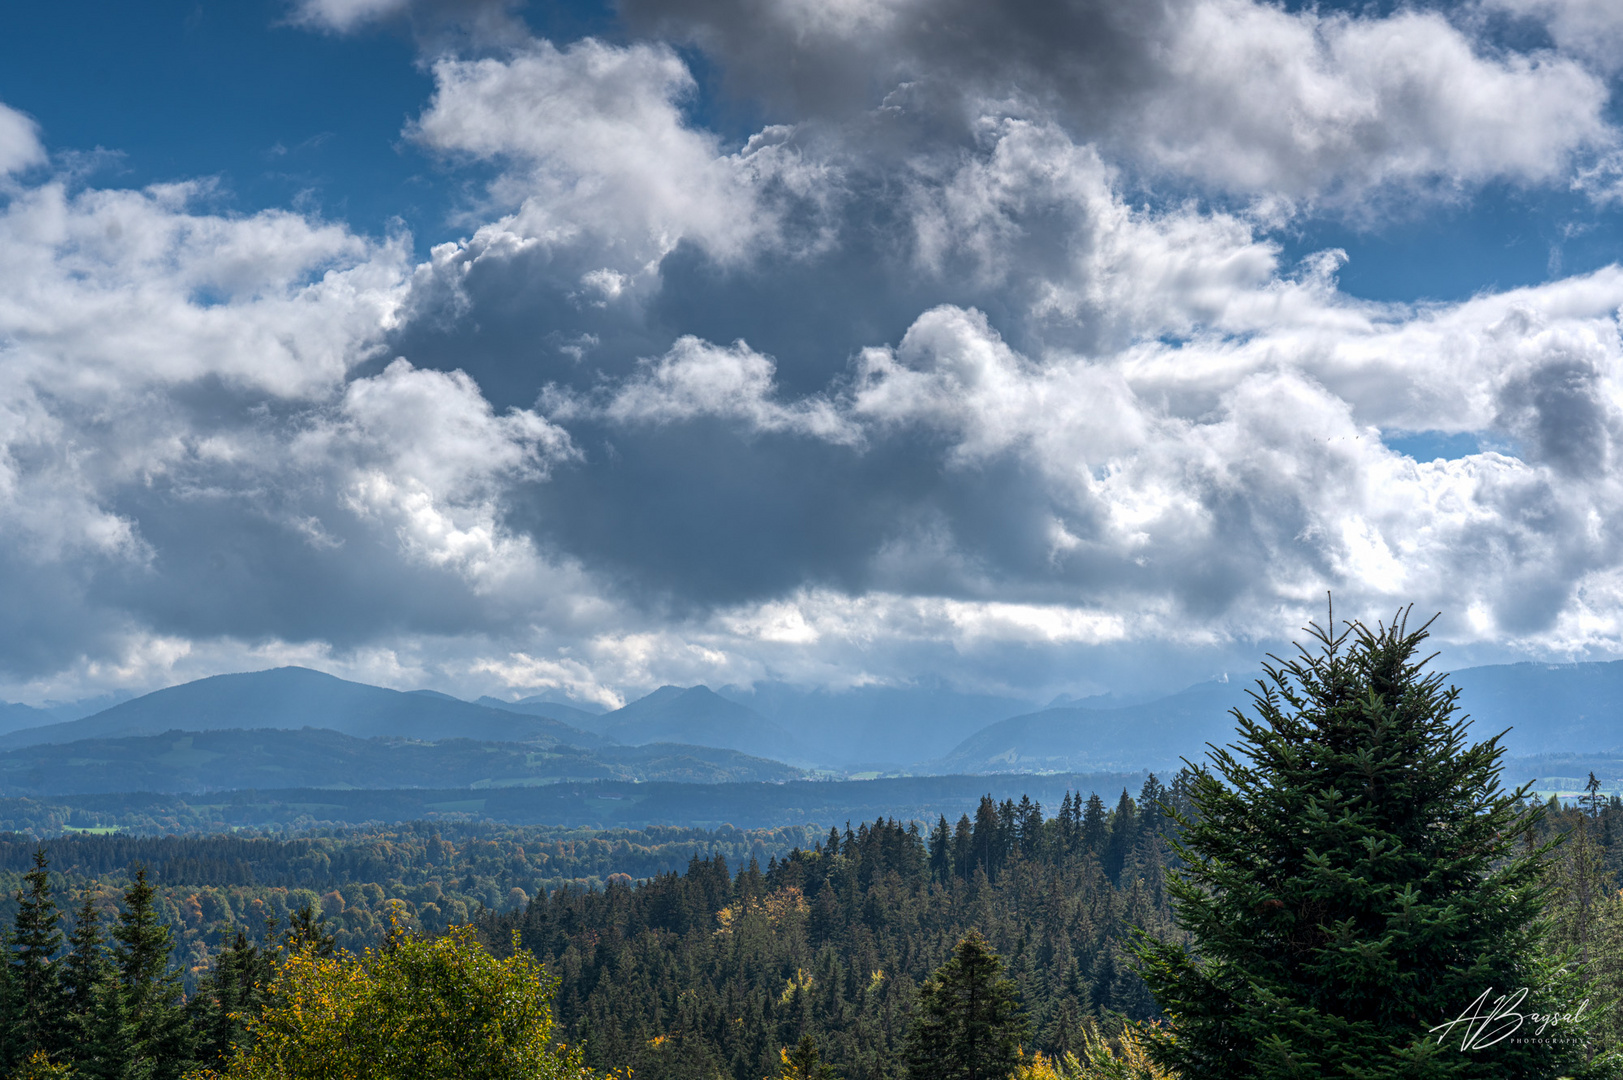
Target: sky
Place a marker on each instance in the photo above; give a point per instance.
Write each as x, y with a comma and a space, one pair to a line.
1033, 348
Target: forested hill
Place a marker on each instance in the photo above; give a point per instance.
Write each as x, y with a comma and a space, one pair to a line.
182, 761
706, 974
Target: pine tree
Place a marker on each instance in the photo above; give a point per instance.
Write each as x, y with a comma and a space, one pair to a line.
86, 962
941, 851
803, 1062
1352, 887
233, 993
40, 1013
1093, 825
1123, 834
307, 930
967, 1025
10, 1006
1586, 917
149, 993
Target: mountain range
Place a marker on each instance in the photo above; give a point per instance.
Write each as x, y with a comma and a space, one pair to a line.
1549, 709
294, 697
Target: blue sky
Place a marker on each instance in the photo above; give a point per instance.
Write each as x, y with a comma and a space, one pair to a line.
507, 348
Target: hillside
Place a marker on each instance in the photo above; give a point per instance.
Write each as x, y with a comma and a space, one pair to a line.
1550, 708
189, 761
876, 726
1152, 735
568, 714
702, 717
293, 697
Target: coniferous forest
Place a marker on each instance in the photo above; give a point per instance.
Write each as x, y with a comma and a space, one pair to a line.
1202, 927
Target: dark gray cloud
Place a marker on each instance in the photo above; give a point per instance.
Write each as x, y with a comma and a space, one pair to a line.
1561, 413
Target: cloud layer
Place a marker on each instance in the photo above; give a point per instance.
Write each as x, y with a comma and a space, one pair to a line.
978, 357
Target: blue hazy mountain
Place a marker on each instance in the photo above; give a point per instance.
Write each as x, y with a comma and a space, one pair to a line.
1149, 735
569, 714
699, 716
293, 697
17, 717
876, 725
1548, 708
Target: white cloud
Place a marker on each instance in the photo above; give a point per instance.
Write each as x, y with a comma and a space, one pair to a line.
428, 455
597, 153
1231, 96
344, 16
698, 379
1308, 105
20, 147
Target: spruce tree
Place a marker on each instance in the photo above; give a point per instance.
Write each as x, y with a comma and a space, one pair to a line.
40, 1012
1353, 885
10, 1006
967, 1024
150, 999
86, 964
803, 1062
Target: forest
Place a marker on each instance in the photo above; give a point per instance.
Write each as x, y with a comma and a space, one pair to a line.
680, 954
1327, 897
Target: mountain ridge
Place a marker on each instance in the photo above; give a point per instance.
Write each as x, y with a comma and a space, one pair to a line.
295, 697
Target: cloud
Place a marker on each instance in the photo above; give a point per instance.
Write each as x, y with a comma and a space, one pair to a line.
345, 15
697, 379
595, 150
1589, 29
439, 26
1230, 96
20, 147
979, 353
192, 448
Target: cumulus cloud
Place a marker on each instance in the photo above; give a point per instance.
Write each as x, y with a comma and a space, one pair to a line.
191, 447
20, 147
596, 149
982, 356
1230, 95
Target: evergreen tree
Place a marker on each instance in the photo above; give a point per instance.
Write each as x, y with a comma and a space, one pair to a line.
1093, 825
307, 930
40, 1016
10, 1006
86, 964
1123, 834
941, 851
1586, 915
1352, 887
94, 1020
967, 1025
803, 1062
232, 994
151, 1018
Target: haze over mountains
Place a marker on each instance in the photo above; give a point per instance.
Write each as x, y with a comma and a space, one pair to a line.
357, 734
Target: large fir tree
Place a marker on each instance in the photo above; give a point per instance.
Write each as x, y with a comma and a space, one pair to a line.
1353, 882
152, 1020
967, 1025
40, 1013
